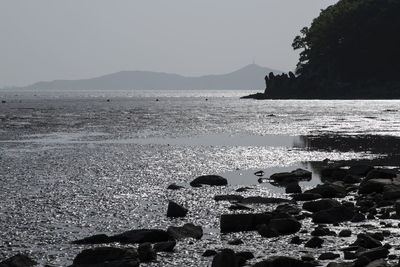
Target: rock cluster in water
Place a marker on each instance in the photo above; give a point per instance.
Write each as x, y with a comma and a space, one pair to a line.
375, 194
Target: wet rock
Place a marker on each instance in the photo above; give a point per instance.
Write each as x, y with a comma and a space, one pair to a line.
351, 179
287, 208
186, 231
243, 222
167, 246
372, 254
333, 173
175, 210
213, 180
243, 189
209, 253
358, 217
107, 256
266, 231
226, 258
381, 174
174, 187
314, 242
378, 263
247, 255
235, 242
345, 233
366, 241
285, 226
322, 231
391, 192
306, 197
322, 204
373, 186
95, 239
349, 255
360, 170
141, 236
146, 252
397, 207
340, 264
18, 260
281, 261
293, 188
333, 215
263, 200
329, 191
296, 240
240, 206
259, 173
228, 197
328, 256
290, 177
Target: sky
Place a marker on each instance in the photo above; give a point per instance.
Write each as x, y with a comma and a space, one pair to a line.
45, 40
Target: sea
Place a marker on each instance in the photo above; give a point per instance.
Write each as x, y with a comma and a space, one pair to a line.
80, 163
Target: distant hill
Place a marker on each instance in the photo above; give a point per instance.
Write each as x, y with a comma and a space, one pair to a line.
249, 77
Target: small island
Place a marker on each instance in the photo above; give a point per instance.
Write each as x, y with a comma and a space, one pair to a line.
350, 51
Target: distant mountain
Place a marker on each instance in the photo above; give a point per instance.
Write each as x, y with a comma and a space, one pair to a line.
249, 77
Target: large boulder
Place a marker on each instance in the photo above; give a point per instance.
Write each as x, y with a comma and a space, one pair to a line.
285, 226
18, 260
373, 185
306, 197
381, 174
243, 222
322, 204
372, 254
167, 246
188, 230
176, 210
213, 180
360, 170
146, 252
333, 215
263, 200
228, 197
366, 240
107, 256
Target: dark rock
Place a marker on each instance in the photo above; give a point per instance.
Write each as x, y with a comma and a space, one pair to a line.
176, 210
240, 206
348, 255
243, 189
314, 242
226, 258
259, 173
186, 231
266, 231
235, 242
328, 191
397, 207
146, 252
296, 240
351, 179
333, 173
358, 217
243, 222
107, 255
373, 186
263, 200
141, 236
380, 174
378, 263
285, 226
290, 177
209, 252
360, 170
306, 197
293, 188
228, 197
328, 256
321, 231
322, 204
345, 233
213, 180
374, 254
281, 261
333, 215
366, 241
18, 260
95, 239
287, 208
245, 254
174, 187
167, 246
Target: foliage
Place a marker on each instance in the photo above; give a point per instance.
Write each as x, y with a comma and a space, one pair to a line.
352, 40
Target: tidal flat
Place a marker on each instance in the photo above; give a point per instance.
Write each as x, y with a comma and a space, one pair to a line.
75, 165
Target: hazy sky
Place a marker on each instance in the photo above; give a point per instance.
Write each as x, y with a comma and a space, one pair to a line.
73, 39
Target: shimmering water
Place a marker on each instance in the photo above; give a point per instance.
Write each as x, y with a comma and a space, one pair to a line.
73, 164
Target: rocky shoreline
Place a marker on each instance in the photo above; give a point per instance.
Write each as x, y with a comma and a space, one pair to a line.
360, 196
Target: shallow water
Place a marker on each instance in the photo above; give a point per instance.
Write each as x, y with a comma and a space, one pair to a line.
73, 164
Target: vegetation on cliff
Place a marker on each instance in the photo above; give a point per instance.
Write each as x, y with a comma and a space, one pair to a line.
351, 50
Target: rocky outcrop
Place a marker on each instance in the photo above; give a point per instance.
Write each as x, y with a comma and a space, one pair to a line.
212, 180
